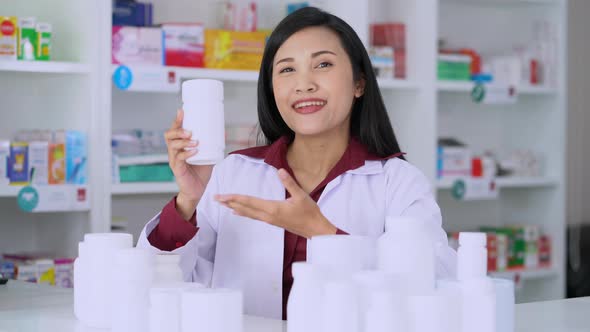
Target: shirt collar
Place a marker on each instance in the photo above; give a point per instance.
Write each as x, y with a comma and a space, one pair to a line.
355, 156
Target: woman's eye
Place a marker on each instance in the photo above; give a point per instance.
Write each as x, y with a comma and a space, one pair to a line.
286, 70
324, 65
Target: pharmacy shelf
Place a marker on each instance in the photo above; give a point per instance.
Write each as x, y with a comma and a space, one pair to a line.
509, 182
226, 75
50, 67
506, 2
9, 191
144, 188
540, 273
467, 86
386, 83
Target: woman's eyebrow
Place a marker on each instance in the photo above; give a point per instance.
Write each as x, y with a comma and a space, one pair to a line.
313, 55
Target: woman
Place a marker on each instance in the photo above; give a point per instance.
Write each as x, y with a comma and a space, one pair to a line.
332, 165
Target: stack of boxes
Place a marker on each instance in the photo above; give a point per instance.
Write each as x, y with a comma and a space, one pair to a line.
136, 42
42, 157
24, 39
514, 248
392, 36
38, 268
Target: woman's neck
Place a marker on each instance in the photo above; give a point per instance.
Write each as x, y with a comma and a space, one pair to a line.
317, 155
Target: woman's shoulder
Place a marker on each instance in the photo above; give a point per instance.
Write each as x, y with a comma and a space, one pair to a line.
402, 172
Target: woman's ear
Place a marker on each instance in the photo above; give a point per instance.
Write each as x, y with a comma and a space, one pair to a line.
359, 88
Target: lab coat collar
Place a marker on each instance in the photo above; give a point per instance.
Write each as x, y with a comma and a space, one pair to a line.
356, 159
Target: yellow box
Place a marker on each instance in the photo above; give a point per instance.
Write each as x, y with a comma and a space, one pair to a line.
226, 49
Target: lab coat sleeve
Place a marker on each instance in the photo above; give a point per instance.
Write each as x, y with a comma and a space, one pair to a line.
198, 254
410, 194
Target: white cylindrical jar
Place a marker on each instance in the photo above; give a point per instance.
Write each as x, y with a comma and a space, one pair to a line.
167, 269
304, 305
472, 256
203, 115
406, 250
131, 288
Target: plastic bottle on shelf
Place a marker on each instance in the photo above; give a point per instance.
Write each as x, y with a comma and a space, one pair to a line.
406, 250
204, 117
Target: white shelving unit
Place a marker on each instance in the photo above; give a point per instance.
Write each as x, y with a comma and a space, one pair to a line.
466, 87
65, 93
421, 108
144, 188
509, 183
52, 67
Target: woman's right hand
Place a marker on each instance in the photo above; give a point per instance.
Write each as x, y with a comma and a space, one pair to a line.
191, 179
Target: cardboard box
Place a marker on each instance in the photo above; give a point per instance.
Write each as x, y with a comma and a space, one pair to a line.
137, 46
39, 162
8, 37
131, 13
27, 39
184, 44
234, 49
43, 47
76, 156
18, 163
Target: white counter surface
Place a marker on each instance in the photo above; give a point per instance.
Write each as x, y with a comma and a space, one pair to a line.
28, 307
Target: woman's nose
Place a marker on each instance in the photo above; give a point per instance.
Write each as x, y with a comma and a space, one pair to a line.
305, 84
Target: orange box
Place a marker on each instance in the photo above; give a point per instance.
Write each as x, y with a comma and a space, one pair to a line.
57, 163
226, 49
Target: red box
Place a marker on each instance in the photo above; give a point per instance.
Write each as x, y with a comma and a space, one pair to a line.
544, 251
393, 35
492, 246
184, 44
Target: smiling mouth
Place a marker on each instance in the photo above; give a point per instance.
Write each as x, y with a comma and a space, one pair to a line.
307, 107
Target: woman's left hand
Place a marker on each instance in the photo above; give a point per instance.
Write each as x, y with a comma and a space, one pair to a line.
298, 214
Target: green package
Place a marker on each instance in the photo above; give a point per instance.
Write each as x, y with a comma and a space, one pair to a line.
26, 39
43, 42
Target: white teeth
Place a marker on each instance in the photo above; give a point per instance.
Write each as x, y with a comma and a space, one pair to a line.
310, 103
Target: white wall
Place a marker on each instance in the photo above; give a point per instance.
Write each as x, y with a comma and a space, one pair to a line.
578, 198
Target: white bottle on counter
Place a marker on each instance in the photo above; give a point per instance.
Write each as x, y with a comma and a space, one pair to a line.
406, 250
472, 256
80, 282
167, 269
478, 293
203, 116
131, 297
304, 305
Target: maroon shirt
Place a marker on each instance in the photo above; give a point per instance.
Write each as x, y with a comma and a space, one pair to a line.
173, 231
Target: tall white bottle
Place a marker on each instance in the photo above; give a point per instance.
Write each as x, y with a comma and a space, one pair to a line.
304, 305
406, 250
478, 294
203, 116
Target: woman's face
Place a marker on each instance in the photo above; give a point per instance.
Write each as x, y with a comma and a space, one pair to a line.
313, 84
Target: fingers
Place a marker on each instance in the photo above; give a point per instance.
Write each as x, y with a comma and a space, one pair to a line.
269, 208
290, 184
249, 212
177, 123
183, 144
176, 133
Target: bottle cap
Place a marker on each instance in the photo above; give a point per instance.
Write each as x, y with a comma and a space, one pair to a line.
472, 239
202, 90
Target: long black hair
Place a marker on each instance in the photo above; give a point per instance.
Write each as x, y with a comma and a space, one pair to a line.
369, 120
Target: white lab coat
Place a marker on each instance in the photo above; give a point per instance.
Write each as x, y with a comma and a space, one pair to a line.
237, 252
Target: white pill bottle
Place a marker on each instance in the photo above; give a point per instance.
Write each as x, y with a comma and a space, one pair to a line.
202, 101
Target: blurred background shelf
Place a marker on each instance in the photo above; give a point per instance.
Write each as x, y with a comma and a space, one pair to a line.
509, 182
144, 188
50, 67
465, 86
